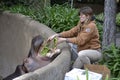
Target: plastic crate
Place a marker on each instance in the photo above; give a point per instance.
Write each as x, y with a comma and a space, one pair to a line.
101, 69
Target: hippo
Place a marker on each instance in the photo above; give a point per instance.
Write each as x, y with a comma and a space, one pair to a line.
34, 60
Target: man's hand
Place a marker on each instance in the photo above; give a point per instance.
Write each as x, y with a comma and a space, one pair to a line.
61, 40
52, 37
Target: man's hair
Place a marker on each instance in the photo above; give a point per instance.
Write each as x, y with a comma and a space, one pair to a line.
86, 10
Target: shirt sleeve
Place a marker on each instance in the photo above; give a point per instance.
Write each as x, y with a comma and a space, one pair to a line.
70, 33
84, 36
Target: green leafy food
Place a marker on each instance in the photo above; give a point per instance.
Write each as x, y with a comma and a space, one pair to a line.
44, 51
46, 47
55, 42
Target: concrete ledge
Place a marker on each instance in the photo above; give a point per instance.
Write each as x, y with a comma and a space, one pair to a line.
16, 33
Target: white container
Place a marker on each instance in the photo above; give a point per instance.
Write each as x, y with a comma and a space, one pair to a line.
80, 74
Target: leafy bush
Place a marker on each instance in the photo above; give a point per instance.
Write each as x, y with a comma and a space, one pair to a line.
100, 28
118, 19
21, 9
111, 58
101, 17
59, 18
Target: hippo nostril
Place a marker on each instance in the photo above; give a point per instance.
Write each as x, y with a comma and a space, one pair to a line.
25, 60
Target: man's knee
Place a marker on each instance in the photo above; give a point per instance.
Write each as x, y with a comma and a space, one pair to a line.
83, 57
81, 54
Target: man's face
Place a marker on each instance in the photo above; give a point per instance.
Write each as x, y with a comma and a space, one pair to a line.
83, 17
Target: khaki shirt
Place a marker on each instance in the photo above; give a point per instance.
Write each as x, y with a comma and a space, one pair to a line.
86, 38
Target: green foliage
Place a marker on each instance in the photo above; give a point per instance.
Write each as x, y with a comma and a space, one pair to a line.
45, 50
100, 29
55, 42
100, 25
85, 73
118, 19
59, 18
46, 47
111, 58
106, 77
87, 76
114, 78
21, 9
78, 78
101, 17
